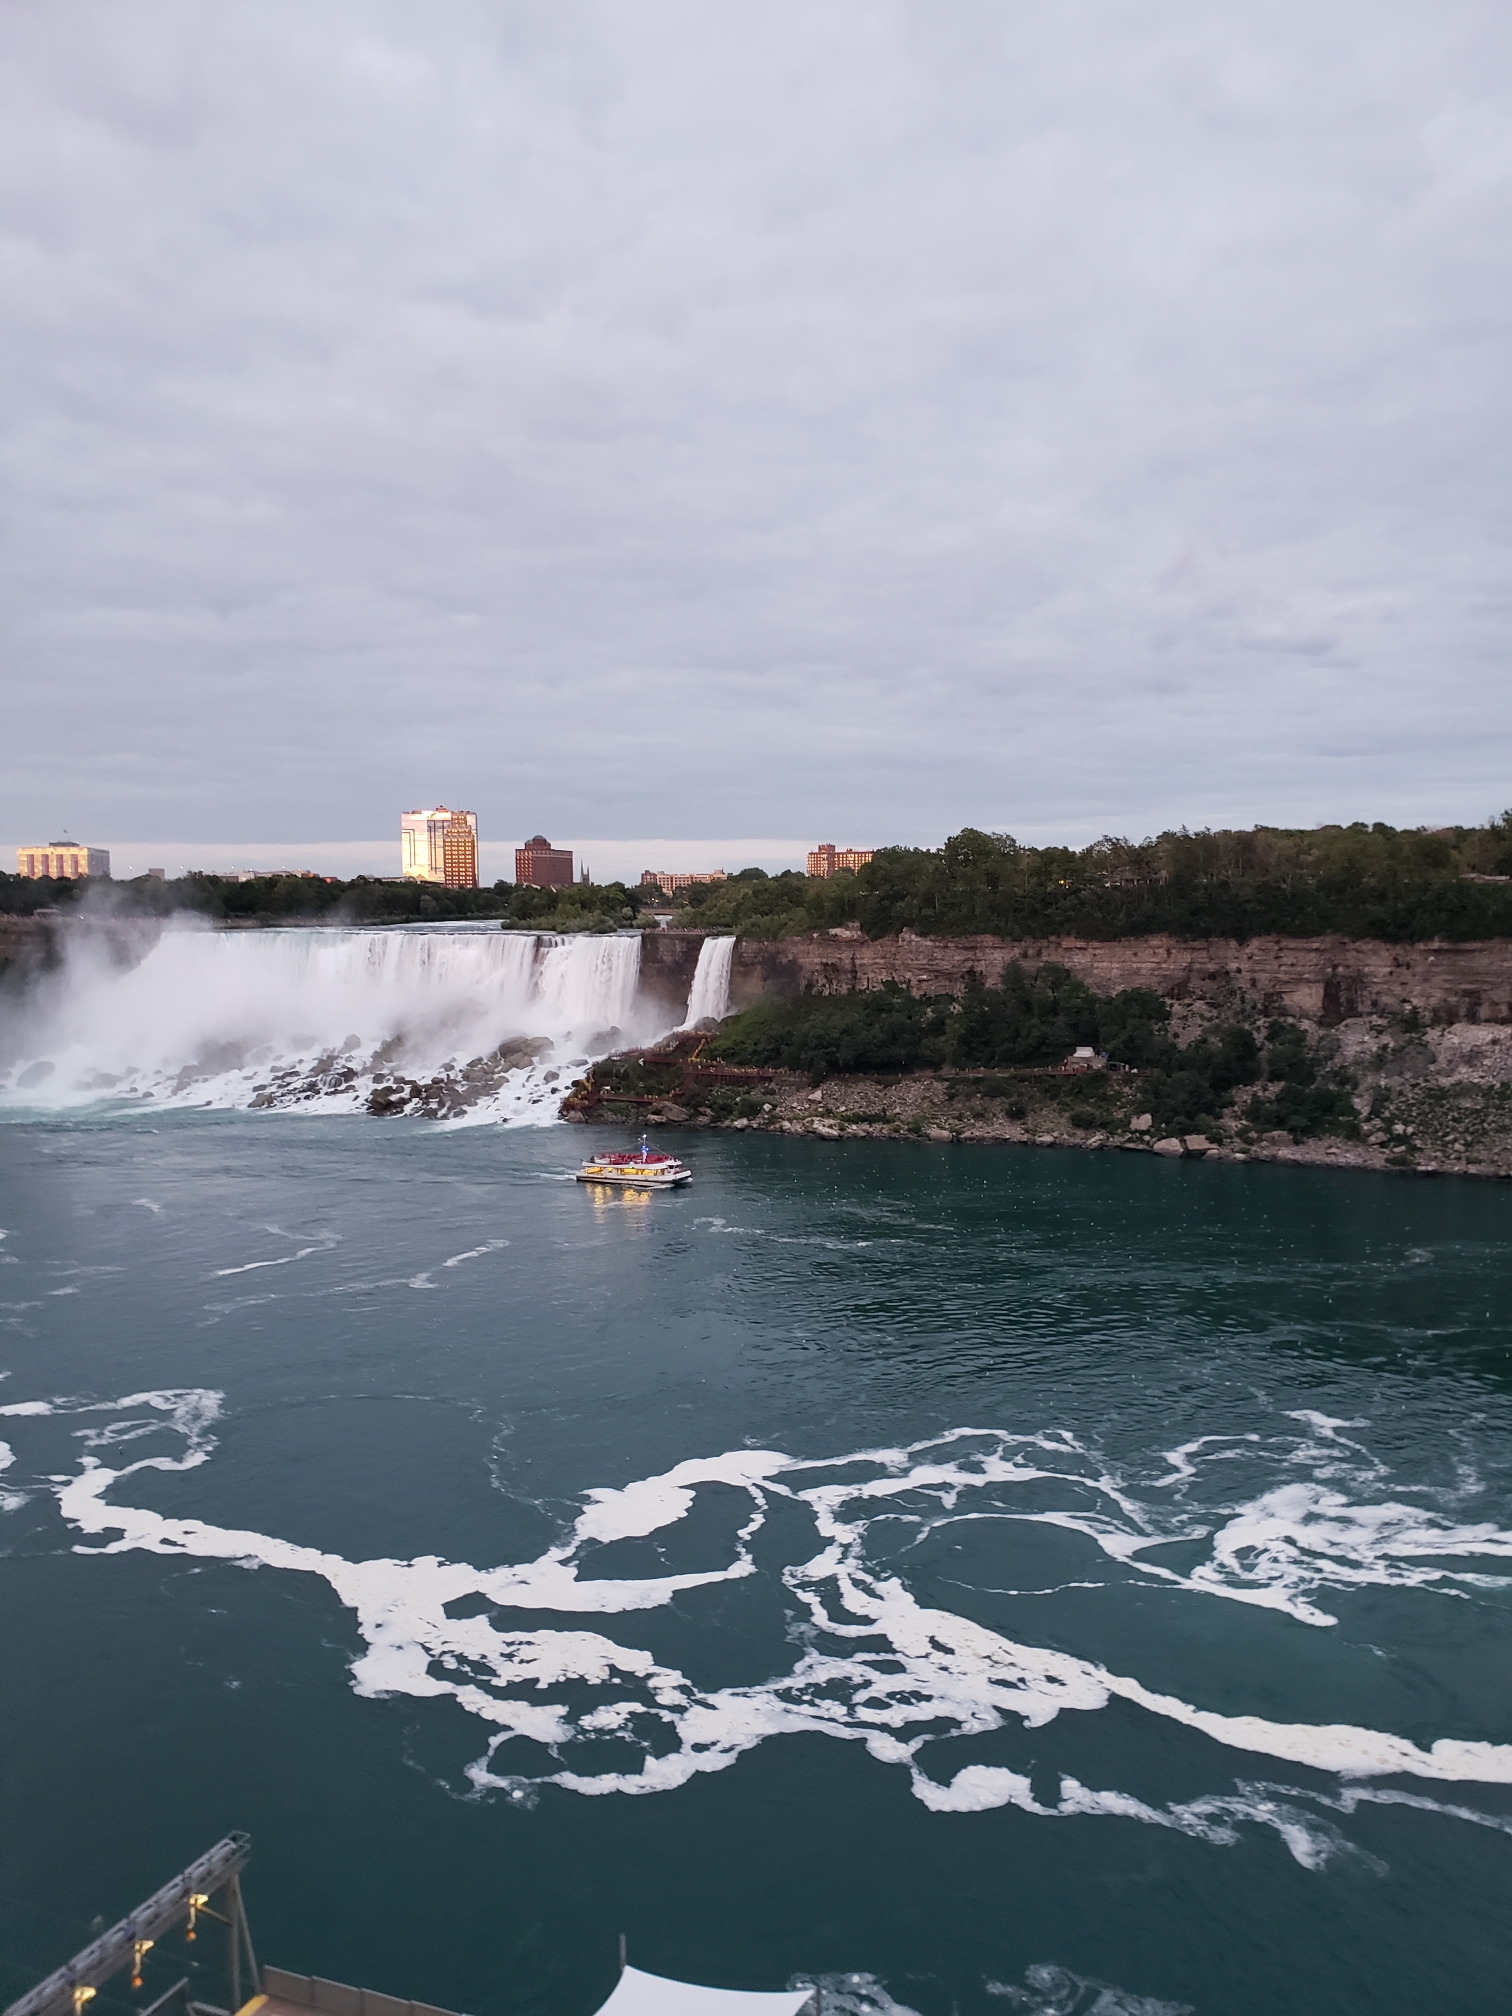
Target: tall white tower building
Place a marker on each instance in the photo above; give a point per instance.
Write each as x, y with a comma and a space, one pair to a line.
439, 845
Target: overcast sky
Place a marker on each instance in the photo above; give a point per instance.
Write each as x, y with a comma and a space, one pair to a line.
852, 420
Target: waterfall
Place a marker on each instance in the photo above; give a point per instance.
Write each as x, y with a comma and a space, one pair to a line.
326, 1018
710, 992
589, 984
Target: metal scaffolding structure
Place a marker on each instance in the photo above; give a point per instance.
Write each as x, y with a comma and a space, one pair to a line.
68, 1990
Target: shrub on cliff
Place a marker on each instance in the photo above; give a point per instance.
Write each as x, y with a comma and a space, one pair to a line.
1227, 1056
1305, 1110
1027, 1023
753, 905
887, 1029
1028, 1020
1287, 1056
1309, 1099
24, 895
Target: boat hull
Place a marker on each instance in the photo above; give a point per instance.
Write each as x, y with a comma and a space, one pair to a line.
637, 1179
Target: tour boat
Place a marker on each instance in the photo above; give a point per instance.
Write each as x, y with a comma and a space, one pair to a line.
645, 1168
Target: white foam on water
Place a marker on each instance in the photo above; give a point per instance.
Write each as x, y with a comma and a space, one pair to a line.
873, 1665
851, 1995
323, 1243
10, 1501
313, 1020
709, 996
1314, 1842
1056, 1991
476, 1252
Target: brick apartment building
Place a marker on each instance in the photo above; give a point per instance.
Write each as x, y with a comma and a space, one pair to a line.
827, 860
669, 883
539, 865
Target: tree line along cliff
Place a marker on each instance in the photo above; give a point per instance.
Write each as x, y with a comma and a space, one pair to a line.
321, 899
1354, 881
1363, 882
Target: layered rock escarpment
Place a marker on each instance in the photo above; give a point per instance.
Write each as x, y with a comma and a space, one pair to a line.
1322, 980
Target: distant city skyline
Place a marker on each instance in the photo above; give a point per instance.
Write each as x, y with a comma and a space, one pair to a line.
608, 860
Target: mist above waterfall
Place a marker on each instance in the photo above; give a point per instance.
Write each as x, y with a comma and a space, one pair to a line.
484, 1022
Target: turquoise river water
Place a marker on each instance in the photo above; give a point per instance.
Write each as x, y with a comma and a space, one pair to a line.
989, 1580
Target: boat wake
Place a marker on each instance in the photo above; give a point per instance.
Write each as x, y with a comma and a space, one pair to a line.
853, 1548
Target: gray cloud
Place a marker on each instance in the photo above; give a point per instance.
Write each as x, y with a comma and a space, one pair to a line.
690, 418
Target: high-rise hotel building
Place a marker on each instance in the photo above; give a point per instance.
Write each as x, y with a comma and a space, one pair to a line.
61, 861
439, 845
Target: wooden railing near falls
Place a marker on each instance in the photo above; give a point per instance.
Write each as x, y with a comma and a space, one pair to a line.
682, 1054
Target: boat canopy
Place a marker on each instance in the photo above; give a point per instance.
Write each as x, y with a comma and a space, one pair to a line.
641, 1994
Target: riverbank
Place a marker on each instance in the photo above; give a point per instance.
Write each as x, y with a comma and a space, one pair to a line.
1437, 1101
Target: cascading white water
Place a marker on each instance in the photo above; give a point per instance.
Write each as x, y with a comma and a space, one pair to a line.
589, 984
710, 993
326, 1017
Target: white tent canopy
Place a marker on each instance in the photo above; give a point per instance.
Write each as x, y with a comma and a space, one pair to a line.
641, 1994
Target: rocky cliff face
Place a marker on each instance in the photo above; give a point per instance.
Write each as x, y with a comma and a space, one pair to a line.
32, 945
1424, 1032
25, 943
1326, 981
669, 960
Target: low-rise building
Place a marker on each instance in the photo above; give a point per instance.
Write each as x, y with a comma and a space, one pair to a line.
61, 861
267, 875
439, 845
827, 859
669, 882
539, 865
